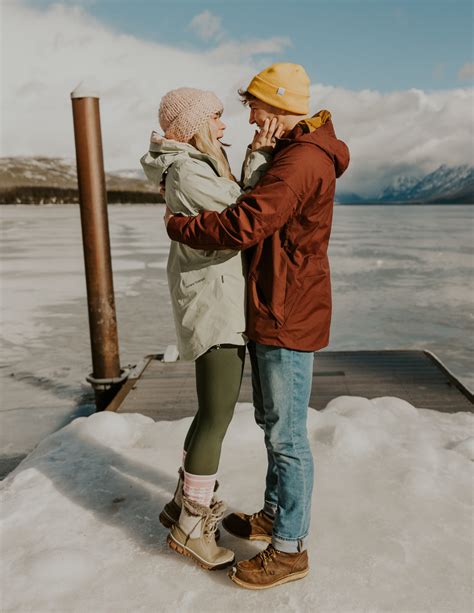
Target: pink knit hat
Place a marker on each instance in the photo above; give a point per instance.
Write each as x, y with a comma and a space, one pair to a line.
183, 111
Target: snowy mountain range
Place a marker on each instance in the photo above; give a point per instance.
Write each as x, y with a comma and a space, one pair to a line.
44, 180
41, 180
446, 185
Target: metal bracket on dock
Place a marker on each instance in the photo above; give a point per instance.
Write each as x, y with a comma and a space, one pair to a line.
103, 385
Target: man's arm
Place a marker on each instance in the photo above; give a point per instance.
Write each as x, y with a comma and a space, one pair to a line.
256, 215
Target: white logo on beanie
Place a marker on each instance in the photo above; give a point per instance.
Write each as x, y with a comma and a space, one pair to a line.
281, 91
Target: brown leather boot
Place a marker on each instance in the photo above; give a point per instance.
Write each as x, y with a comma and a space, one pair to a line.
255, 527
270, 568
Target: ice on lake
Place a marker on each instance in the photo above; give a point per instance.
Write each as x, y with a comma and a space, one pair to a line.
401, 276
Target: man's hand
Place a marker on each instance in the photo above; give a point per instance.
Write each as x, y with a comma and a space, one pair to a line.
168, 215
266, 138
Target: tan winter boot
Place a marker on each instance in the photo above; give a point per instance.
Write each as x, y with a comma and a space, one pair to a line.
171, 511
194, 535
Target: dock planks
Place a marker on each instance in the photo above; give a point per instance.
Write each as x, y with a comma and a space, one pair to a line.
166, 390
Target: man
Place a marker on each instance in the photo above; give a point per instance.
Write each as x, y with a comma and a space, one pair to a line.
284, 225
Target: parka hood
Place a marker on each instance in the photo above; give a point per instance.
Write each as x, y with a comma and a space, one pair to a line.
319, 130
166, 152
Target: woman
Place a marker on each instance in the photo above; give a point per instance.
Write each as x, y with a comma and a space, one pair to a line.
208, 300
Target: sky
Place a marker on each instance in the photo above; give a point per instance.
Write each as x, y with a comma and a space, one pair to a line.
397, 75
378, 44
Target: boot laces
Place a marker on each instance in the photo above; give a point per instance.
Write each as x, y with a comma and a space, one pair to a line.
266, 556
257, 515
217, 511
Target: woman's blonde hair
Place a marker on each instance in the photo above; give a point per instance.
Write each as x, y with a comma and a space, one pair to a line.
204, 142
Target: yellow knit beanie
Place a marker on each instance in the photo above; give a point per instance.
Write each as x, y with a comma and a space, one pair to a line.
283, 85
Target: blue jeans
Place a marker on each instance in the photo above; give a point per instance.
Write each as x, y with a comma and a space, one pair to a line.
281, 381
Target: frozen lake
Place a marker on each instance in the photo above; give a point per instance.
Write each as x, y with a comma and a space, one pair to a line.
402, 278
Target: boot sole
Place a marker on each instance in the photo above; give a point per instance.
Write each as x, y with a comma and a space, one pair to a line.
252, 586
184, 551
266, 538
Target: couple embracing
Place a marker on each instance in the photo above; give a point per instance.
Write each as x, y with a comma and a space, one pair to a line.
248, 266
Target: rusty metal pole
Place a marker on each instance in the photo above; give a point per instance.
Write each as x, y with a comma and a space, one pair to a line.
107, 375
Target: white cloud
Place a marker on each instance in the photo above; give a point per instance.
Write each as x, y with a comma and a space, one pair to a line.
466, 72
402, 132
61, 46
249, 48
207, 26
408, 132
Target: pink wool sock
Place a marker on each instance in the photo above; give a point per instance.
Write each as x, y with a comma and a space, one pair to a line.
199, 488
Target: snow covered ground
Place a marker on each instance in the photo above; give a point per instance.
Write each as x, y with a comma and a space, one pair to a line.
391, 527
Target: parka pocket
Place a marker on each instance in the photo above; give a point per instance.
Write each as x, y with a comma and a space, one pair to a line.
257, 298
268, 293
279, 296
186, 286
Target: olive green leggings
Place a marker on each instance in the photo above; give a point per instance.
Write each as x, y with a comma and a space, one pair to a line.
218, 378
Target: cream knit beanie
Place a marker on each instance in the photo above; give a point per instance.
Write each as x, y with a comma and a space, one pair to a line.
183, 111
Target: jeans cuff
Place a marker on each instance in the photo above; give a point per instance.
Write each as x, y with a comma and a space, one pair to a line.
269, 509
289, 546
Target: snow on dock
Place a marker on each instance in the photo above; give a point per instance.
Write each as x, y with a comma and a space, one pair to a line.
392, 504
391, 527
166, 390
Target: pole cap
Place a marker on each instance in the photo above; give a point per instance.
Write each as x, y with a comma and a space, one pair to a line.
85, 90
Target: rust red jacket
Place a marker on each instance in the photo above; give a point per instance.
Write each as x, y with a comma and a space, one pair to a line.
285, 225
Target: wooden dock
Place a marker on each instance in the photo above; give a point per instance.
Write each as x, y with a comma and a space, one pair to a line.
166, 390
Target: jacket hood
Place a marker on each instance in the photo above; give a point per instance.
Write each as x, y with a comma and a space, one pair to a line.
319, 130
166, 152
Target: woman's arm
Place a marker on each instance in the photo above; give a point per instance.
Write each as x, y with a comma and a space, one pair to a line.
259, 153
256, 164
